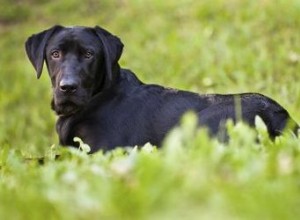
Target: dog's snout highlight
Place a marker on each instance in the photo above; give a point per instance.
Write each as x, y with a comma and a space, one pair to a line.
68, 85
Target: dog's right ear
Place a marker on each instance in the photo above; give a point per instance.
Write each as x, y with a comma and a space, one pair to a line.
35, 48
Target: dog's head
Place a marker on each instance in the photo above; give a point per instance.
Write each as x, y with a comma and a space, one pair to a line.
81, 62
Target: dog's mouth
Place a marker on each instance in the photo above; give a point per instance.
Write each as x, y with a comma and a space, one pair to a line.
66, 107
69, 104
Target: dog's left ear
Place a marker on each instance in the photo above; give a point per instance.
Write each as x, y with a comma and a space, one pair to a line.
113, 48
35, 48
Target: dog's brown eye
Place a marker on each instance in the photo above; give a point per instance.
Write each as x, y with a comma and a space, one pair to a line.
55, 54
88, 54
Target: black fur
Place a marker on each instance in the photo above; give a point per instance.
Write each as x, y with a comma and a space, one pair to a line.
107, 106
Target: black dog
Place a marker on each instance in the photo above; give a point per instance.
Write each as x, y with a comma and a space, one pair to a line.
107, 106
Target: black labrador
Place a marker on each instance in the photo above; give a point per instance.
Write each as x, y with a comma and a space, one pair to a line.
107, 106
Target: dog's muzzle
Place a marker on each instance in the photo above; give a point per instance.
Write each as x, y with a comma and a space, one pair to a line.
68, 101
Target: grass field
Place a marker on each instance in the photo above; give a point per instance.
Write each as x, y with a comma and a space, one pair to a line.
216, 46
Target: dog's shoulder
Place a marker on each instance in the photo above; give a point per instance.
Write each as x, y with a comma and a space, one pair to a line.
130, 85
129, 78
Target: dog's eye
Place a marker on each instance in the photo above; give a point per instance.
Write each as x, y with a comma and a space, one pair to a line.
55, 54
88, 54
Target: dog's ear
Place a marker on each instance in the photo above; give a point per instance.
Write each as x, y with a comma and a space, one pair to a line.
113, 48
35, 48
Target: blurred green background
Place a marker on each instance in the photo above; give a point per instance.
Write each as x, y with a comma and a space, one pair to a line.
209, 46
206, 46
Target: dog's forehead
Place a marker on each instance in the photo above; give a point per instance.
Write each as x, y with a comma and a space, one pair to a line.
76, 35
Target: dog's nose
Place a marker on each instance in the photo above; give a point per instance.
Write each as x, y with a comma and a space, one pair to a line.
67, 86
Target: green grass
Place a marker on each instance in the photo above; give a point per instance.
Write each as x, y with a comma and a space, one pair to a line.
206, 46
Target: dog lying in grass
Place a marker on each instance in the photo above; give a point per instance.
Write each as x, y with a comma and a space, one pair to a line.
107, 106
